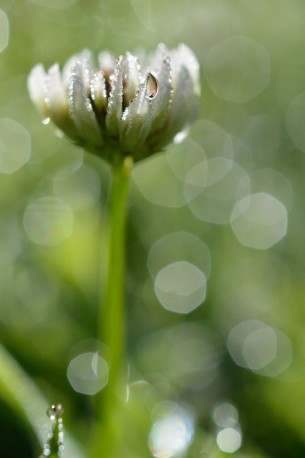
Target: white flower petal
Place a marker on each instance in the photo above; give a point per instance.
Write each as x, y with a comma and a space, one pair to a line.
155, 60
98, 91
182, 112
57, 100
132, 78
185, 103
81, 108
56, 91
183, 56
85, 57
136, 121
161, 102
88, 69
68, 69
38, 90
115, 102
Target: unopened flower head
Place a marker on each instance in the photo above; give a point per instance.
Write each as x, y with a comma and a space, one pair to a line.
134, 106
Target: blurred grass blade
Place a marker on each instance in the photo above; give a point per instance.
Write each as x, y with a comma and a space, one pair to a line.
21, 394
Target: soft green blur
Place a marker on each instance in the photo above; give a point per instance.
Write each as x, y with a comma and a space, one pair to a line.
215, 284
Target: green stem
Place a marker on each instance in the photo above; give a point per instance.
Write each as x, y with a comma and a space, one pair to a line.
112, 315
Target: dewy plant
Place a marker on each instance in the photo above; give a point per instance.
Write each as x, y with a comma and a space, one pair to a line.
123, 111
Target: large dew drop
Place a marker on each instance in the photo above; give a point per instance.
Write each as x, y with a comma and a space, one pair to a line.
152, 86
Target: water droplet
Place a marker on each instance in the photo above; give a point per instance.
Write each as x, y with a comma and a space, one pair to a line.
152, 86
46, 121
180, 136
55, 411
54, 445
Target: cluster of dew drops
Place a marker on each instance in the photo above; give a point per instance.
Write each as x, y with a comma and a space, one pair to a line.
54, 447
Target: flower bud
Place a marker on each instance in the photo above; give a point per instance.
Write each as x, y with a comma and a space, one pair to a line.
123, 106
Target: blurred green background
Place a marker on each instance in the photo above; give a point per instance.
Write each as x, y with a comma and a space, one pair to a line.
215, 287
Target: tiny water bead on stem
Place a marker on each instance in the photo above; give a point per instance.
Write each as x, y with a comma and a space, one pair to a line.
54, 447
123, 111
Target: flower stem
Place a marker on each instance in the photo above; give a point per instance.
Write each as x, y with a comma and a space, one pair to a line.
112, 315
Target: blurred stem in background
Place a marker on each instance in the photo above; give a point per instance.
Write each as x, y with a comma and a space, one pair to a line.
112, 314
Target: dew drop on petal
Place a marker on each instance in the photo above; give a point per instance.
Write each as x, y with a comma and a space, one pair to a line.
181, 136
46, 121
152, 86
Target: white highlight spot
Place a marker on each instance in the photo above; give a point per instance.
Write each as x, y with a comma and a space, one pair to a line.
171, 433
15, 145
181, 136
180, 287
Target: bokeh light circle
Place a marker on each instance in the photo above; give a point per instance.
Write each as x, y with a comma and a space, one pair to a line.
88, 373
180, 287
260, 348
225, 415
229, 440
259, 221
237, 69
